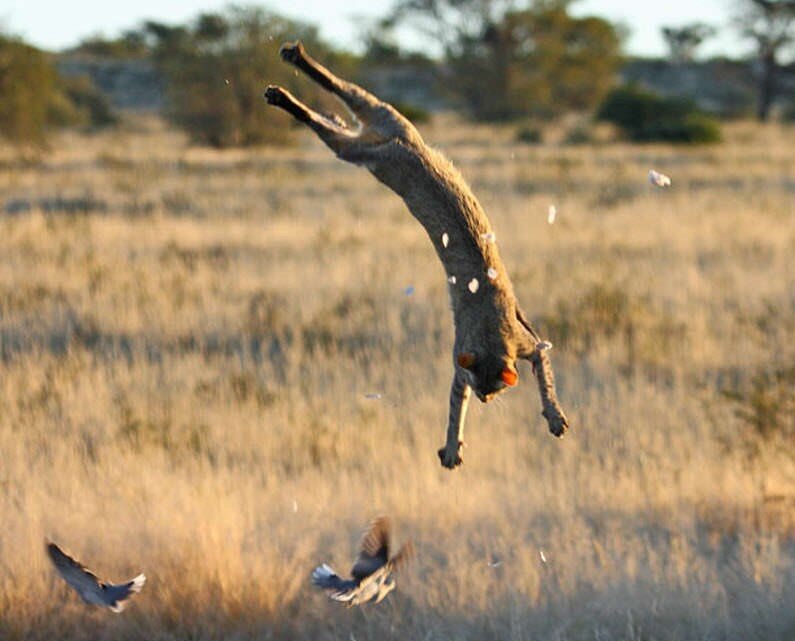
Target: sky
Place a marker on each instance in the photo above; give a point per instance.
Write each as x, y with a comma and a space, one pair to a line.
55, 24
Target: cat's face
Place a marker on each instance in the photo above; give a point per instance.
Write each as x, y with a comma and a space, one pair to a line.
488, 374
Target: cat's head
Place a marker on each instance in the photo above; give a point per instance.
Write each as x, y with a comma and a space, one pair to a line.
488, 374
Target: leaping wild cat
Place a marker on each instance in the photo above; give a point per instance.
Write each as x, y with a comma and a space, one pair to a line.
491, 332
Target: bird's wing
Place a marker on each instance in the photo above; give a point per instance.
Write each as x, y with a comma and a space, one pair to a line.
374, 549
404, 555
74, 573
324, 577
116, 595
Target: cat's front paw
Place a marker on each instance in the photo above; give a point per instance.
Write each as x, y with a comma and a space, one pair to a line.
275, 95
451, 457
557, 421
292, 51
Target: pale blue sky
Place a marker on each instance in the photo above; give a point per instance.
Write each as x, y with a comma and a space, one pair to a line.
56, 24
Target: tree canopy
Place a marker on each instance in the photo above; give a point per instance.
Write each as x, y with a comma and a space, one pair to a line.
683, 41
28, 86
508, 62
217, 67
770, 25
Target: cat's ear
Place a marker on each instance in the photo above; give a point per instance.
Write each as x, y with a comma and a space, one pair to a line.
509, 377
466, 360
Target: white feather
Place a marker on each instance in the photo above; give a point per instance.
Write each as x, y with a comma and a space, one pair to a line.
137, 583
658, 179
322, 572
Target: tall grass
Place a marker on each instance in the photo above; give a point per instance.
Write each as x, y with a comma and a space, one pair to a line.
188, 371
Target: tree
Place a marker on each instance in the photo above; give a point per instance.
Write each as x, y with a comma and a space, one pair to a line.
130, 44
507, 62
216, 68
450, 24
770, 24
683, 41
28, 87
380, 45
37, 100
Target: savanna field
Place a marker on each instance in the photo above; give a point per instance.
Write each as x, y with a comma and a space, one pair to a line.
217, 367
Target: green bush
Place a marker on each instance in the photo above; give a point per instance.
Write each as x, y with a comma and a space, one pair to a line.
540, 61
788, 113
607, 313
766, 404
646, 117
529, 134
416, 114
62, 112
217, 67
92, 108
36, 100
131, 44
579, 135
28, 90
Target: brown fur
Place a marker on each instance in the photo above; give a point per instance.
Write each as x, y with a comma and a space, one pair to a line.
491, 332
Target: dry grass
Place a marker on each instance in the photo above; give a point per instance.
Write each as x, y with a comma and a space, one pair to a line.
185, 368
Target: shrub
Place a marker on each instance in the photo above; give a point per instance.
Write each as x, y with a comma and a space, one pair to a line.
538, 61
91, 106
646, 117
529, 135
788, 113
36, 100
28, 89
701, 128
62, 112
607, 312
579, 135
415, 113
766, 405
217, 68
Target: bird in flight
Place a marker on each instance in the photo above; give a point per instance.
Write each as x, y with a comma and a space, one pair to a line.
90, 588
373, 573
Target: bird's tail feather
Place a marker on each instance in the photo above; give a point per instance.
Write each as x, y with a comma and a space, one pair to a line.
123, 591
137, 583
340, 589
324, 577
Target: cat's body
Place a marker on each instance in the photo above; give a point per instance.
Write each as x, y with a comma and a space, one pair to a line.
490, 331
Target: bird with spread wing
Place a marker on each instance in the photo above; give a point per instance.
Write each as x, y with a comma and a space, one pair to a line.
90, 588
373, 573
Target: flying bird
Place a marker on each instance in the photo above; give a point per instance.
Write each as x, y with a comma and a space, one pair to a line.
372, 573
90, 588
